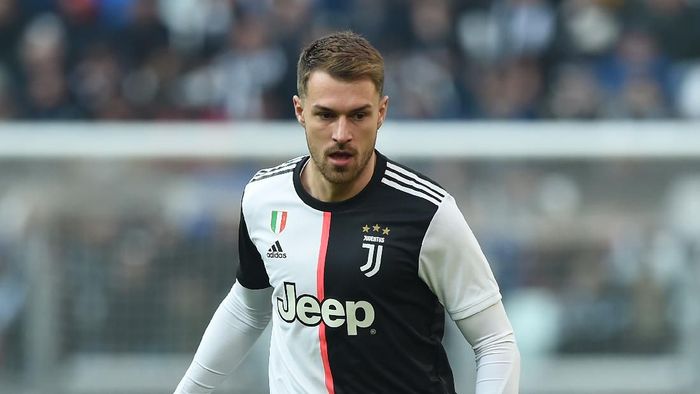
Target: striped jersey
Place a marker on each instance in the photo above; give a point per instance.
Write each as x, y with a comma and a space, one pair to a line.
360, 287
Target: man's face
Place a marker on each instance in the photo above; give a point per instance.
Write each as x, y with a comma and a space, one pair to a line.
341, 120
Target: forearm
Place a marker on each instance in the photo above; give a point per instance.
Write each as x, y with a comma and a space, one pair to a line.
498, 366
497, 356
232, 331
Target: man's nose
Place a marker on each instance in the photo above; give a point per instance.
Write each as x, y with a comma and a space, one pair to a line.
342, 133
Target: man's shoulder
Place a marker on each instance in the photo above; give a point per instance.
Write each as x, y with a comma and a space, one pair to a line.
395, 166
270, 184
276, 171
412, 183
271, 181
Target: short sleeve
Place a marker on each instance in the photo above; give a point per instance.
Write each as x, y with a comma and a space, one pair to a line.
453, 266
251, 270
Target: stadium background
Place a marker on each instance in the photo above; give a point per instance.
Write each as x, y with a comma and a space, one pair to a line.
566, 130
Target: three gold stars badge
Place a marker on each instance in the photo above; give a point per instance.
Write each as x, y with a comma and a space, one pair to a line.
376, 229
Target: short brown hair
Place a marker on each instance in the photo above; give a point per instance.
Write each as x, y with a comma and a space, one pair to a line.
344, 55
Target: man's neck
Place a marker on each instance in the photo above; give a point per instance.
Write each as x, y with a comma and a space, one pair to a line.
323, 190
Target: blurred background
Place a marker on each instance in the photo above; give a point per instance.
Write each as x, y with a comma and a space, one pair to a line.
566, 129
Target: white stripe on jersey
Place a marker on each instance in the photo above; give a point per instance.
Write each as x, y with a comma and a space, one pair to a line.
397, 177
437, 189
408, 190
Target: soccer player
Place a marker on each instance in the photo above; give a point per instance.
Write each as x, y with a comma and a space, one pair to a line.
354, 257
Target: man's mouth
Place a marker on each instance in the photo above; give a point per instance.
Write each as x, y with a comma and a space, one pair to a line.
340, 158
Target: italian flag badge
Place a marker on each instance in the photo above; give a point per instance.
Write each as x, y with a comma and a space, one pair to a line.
278, 221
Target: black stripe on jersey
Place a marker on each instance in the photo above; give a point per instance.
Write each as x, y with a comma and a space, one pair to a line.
273, 174
251, 269
269, 175
411, 183
272, 169
269, 171
286, 163
419, 178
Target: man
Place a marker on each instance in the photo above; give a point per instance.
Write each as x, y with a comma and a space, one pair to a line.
354, 257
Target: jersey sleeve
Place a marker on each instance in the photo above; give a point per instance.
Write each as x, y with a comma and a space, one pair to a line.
251, 269
453, 266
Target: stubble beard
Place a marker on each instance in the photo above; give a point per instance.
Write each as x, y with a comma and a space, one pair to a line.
341, 175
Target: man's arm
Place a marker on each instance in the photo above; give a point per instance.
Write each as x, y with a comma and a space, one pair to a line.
233, 330
497, 356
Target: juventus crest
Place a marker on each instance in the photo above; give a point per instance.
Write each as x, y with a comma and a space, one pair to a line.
373, 241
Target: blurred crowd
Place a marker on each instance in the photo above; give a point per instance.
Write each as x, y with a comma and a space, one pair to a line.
139, 283
446, 59
137, 271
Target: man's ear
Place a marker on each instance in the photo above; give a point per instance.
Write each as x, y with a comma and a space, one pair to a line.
383, 107
298, 109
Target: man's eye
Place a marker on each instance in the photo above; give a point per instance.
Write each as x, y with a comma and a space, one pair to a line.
325, 115
360, 115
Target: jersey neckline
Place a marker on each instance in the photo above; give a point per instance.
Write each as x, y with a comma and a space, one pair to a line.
379, 167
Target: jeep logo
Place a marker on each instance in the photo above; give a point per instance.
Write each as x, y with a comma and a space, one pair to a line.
333, 313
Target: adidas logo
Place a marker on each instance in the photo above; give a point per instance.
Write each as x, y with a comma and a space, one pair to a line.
276, 252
